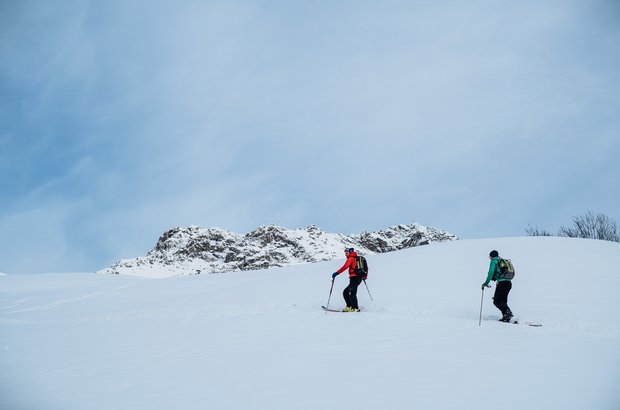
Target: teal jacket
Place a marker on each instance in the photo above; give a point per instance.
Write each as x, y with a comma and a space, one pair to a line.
494, 267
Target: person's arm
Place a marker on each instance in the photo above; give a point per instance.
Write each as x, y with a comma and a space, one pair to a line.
492, 268
346, 265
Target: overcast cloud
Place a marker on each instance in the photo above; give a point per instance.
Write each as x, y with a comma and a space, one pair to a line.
122, 119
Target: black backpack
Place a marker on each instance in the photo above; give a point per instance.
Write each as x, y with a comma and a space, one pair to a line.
506, 269
361, 267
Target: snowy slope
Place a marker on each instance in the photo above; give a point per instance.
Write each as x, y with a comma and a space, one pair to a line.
258, 340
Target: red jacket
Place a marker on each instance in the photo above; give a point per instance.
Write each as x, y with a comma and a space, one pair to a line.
350, 263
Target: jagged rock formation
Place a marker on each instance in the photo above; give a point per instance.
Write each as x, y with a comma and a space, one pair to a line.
195, 250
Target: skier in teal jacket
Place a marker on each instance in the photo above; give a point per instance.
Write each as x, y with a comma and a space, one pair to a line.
502, 287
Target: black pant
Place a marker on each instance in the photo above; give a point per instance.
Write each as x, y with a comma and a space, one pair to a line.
350, 292
500, 299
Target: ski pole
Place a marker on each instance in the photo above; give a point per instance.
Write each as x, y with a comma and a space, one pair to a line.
368, 290
330, 295
481, 299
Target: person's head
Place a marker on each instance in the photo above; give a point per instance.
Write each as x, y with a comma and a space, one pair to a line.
347, 251
493, 254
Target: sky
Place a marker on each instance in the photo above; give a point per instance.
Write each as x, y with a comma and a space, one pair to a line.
122, 119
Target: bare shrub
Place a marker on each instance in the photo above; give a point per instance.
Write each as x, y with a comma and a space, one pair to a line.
592, 226
536, 231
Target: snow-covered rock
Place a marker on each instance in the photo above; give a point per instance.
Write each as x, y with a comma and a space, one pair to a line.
194, 250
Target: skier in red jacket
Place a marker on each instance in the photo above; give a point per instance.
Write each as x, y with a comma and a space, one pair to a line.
350, 292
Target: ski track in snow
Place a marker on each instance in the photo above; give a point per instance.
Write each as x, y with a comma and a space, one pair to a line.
57, 303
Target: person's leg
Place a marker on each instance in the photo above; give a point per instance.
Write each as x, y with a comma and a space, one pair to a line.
346, 293
500, 299
354, 283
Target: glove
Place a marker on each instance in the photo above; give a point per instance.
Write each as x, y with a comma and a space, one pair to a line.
334, 275
483, 286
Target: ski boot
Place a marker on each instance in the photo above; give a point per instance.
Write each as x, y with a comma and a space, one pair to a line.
507, 316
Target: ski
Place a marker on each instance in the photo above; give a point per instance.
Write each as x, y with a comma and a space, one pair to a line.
335, 310
533, 324
516, 322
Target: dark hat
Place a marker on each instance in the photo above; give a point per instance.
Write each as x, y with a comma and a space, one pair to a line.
494, 254
349, 250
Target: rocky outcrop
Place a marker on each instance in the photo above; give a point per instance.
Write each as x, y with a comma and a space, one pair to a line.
195, 250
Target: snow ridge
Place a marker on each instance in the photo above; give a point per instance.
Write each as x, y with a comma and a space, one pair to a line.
195, 250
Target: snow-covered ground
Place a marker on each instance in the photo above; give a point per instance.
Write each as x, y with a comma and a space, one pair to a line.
259, 339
